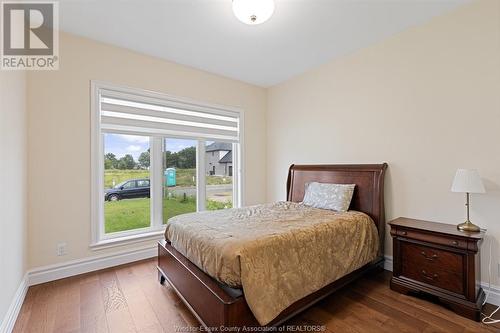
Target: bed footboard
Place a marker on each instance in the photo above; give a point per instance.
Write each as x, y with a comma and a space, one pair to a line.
215, 307
209, 302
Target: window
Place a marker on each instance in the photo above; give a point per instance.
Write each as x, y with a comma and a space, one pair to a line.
129, 185
155, 157
179, 187
126, 201
143, 183
219, 180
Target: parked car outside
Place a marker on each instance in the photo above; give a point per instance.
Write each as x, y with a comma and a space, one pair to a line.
132, 188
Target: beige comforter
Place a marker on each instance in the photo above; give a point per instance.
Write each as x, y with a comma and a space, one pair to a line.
278, 253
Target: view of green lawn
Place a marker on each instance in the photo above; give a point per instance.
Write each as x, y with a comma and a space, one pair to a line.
131, 214
184, 177
135, 213
128, 209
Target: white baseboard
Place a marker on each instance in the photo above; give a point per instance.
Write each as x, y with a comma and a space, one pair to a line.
10, 318
388, 263
89, 264
493, 294
66, 269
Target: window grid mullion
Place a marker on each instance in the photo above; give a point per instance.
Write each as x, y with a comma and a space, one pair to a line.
201, 188
236, 178
156, 174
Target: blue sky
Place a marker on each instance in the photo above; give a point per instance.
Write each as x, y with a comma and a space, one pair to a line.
121, 144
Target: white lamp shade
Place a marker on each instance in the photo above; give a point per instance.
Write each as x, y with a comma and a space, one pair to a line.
253, 12
467, 181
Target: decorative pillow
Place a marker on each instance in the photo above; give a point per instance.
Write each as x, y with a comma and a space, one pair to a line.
329, 196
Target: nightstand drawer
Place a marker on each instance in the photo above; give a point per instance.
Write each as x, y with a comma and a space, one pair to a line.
420, 255
432, 238
435, 276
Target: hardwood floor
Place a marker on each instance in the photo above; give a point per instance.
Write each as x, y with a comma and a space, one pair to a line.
129, 299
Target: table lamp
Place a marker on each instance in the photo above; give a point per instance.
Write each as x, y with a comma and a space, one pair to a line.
467, 181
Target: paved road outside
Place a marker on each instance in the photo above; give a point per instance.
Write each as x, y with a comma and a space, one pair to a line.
220, 193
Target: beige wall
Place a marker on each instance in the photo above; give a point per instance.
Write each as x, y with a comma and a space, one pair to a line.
59, 135
427, 101
13, 182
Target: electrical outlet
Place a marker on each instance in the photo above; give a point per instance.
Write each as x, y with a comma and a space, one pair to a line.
62, 249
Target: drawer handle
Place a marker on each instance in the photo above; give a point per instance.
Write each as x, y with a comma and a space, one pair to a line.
404, 233
430, 258
429, 276
454, 243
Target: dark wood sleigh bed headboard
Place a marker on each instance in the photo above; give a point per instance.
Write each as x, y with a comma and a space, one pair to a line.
368, 194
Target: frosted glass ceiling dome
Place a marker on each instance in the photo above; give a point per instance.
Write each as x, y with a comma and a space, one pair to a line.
253, 12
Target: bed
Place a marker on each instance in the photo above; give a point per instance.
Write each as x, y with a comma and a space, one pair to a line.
217, 299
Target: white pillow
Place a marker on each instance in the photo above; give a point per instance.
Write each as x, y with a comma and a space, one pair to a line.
335, 197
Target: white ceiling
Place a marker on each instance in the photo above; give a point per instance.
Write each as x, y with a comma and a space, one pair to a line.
205, 34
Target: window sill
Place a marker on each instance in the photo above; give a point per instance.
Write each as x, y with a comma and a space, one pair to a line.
126, 240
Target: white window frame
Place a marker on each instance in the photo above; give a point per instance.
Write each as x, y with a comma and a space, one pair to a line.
99, 239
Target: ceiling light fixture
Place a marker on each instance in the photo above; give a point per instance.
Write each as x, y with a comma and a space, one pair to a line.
253, 12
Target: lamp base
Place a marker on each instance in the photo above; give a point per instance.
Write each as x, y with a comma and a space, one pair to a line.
467, 226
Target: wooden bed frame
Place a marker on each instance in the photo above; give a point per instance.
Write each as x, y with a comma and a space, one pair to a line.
216, 305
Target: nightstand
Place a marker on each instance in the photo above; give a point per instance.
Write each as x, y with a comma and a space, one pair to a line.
437, 259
